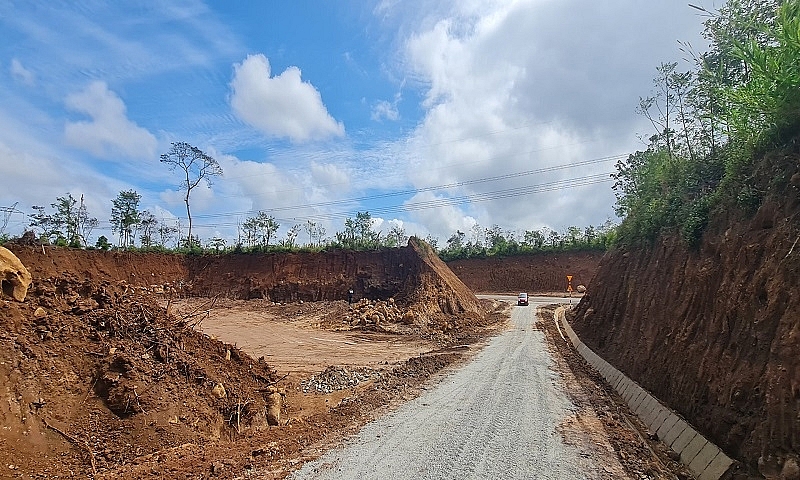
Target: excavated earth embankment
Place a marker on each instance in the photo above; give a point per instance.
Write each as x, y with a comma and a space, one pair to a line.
535, 273
714, 332
98, 380
413, 275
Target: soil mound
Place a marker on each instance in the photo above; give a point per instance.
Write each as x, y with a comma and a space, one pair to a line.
94, 376
713, 332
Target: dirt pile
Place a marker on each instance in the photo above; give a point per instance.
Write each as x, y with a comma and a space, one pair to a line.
539, 273
94, 377
713, 332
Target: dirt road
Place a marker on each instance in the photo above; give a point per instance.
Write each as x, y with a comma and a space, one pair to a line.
503, 415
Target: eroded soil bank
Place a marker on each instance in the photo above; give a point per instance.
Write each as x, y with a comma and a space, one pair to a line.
713, 332
536, 273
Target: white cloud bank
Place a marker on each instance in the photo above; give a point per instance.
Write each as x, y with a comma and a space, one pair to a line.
280, 106
110, 132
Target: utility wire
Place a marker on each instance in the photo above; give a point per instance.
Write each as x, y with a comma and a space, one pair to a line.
453, 201
418, 190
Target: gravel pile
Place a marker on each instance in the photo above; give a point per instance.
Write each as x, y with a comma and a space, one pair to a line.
338, 378
378, 312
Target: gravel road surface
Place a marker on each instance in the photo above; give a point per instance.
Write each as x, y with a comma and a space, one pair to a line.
496, 417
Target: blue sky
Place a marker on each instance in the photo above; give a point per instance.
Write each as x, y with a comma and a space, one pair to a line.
433, 116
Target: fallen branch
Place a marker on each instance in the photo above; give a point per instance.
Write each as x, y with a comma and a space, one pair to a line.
273, 383
74, 440
792, 249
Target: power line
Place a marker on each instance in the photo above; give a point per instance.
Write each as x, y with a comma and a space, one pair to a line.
418, 190
453, 201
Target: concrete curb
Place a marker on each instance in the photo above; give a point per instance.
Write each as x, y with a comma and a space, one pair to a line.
704, 459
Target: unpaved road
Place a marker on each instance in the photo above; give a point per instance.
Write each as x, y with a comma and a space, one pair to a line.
503, 415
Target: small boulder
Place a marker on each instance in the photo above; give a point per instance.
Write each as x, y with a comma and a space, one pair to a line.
274, 403
219, 391
15, 279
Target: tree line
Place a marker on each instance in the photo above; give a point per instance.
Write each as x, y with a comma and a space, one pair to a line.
712, 122
68, 223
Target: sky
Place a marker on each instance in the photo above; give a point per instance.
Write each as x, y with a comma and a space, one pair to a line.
431, 116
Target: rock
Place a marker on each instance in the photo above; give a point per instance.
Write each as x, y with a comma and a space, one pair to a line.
219, 391
769, 466
40, 313
274, 403
581, 289
795, 180
791, 470
15, 279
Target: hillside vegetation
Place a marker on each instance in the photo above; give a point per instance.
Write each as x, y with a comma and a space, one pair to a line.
741, 99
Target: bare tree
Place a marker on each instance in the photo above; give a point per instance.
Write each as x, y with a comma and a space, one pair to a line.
196, 166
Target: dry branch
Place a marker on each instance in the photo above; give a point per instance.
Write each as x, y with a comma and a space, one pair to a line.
84, 445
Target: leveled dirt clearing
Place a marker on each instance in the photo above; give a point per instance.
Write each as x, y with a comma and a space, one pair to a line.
298, 338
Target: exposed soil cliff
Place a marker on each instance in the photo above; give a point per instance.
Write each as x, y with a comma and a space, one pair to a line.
538, 273
713, 332
412, 275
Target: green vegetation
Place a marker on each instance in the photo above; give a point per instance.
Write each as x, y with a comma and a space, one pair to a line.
495, 242
68, 225
741, 99
257, 234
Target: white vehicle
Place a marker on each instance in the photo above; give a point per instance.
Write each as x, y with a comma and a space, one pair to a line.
522, 299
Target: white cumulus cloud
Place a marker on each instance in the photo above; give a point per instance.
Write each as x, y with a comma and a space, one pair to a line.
282, 105
110, 132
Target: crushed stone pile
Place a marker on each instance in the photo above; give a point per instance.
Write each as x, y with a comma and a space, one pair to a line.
336, 378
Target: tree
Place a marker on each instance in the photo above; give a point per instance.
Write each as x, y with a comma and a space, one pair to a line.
148, 222
358, 233
291, 236
573, 234
68, 225
267, 227
196, 166
260, 229
125, 215
397, 236
85, 223
456, 241
102, 243
217, 243
166, 233
534, 239
316, 233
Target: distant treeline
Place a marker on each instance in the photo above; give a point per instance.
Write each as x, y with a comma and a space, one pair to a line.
69, 224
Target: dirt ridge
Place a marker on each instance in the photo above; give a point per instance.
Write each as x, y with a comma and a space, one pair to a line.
713, 332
